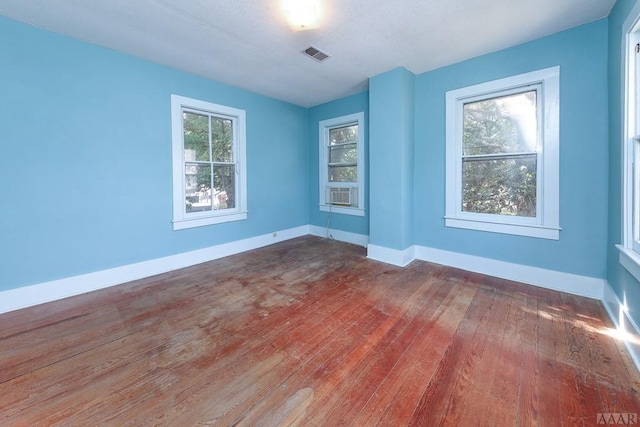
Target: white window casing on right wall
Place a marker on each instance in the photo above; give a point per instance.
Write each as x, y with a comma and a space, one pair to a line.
630, 246
502, 155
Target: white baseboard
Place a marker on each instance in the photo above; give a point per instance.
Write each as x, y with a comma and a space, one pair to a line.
14, 299
401, 258
626, 328
342, 236
590, 287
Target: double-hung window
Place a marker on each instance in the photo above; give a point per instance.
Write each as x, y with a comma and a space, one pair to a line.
630, 247
502, 155
209, 172
342, 164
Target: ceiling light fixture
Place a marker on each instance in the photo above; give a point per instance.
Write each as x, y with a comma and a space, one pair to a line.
302, 14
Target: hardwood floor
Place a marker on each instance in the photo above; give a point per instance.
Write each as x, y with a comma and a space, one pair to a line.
309, 332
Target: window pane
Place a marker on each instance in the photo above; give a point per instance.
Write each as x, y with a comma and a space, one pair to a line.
507, 124
197, 187
343, 154
196, 137
343, 173
222, 137
224, 185
343, 135
500, 186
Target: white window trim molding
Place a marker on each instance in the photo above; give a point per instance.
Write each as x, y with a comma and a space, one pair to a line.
181, 219
629, 258
324, 127
546, 225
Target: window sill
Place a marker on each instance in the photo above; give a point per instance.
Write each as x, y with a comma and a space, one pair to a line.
342, 210
537, 231
182, 224
630, 260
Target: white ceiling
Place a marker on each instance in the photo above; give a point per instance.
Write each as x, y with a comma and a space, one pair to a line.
248, 44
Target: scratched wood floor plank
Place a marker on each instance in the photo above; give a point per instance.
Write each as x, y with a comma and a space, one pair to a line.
233, 399
340, 347
394, 401
373, 364
528, 375
505, 384
443, 398
310, 332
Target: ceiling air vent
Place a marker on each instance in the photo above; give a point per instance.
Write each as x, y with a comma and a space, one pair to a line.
316, 54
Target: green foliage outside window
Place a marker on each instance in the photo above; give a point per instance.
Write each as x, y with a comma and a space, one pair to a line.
499, 160
343, 154
212, 160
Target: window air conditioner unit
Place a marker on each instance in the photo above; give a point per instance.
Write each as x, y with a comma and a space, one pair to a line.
340, 196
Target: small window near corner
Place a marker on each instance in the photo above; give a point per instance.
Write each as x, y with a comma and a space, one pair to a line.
209, 167
342, 164
502, 165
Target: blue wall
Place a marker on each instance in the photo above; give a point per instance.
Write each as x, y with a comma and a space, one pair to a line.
625, 286
85, 171
340, 107
581, 53
391, 152
86, 166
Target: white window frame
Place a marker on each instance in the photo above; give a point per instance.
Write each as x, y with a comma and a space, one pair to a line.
182, 219
630, 247
324, 127
546, 224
